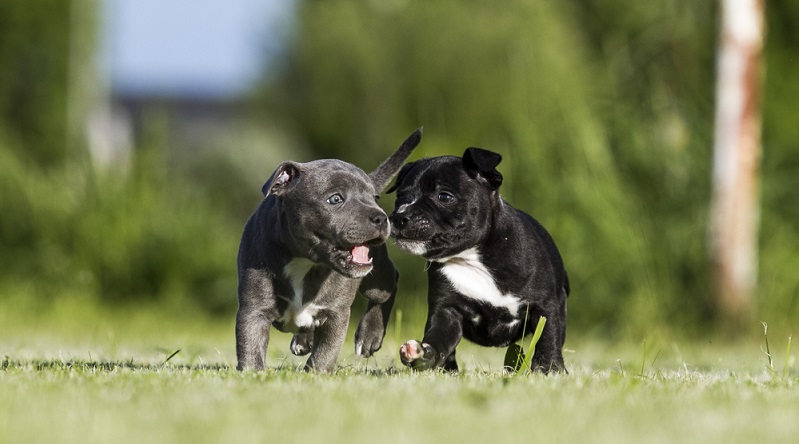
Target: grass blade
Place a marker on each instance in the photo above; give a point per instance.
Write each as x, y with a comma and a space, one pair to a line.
768, 350
539, 329
172, 356
517, 352
514, 357
787, 357
397, 328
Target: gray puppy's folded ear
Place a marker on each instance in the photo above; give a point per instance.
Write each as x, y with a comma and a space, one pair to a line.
483, 163
382, 175
282, 179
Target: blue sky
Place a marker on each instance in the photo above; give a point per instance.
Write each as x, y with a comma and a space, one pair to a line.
190, 47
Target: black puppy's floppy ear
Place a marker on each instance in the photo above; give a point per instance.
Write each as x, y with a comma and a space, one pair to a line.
483, 163
400, 176
283, 177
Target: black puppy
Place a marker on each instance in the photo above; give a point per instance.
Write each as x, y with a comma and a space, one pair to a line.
493, 269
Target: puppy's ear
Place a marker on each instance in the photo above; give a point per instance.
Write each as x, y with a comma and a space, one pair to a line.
401, 176
483, 163
284, 176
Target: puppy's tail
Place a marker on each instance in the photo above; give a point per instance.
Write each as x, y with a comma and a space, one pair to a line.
382, 175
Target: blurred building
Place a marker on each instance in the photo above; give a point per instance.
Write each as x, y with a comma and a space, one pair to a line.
189, 61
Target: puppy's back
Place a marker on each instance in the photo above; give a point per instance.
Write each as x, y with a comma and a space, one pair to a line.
544, 239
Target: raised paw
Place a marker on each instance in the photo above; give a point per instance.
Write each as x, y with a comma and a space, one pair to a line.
417, 356
410, 352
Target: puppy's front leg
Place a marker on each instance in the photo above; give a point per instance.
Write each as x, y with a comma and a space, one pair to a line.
380, 288
252, 338
327, 341
254, 317
444, 332
301, 344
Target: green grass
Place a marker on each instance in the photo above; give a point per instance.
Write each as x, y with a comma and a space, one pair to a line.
108, 377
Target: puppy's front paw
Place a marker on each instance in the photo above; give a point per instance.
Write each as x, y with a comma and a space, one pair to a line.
301, 344
368, 338
418, 356
411, 351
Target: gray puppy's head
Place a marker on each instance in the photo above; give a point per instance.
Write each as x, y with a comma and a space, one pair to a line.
328, 213
328, 209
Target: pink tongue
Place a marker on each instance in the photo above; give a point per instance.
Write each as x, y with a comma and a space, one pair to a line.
360, 255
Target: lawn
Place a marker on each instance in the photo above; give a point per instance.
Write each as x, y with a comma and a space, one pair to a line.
108, 377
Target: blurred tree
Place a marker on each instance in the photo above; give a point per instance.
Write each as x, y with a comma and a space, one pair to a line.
68, 231
602, 110
34, 54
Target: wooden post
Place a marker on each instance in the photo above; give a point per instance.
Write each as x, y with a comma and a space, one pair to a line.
736, 157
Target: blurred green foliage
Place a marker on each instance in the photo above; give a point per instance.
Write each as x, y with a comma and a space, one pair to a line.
33, 80
602, 110
69, 230
99, 237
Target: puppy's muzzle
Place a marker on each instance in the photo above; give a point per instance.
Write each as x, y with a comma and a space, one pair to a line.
379, 219
399, 220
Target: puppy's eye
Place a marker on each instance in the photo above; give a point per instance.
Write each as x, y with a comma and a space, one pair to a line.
335, 199
445, 197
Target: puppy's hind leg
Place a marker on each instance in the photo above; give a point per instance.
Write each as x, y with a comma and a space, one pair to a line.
548, 352
450, 364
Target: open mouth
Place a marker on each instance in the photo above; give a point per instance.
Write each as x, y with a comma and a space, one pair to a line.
359, 255
353, 261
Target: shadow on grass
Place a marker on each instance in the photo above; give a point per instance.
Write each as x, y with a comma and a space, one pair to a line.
105, 366
9, 364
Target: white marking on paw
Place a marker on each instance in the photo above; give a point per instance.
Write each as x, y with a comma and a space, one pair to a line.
472, 279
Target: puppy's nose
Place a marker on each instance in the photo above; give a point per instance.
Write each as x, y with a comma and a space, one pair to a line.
378, 218
399, 220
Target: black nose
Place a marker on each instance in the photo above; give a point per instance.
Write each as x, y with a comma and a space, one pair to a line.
399, 220
379, 219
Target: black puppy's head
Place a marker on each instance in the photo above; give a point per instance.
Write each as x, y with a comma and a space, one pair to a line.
445, 204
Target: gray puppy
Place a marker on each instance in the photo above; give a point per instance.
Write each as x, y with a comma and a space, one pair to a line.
317, 237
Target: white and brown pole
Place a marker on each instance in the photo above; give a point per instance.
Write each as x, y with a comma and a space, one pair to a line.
736, 158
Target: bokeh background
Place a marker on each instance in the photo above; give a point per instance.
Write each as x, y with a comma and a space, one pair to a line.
135, 136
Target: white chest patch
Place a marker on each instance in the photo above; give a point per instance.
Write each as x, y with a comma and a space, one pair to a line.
298, 314
472, 279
